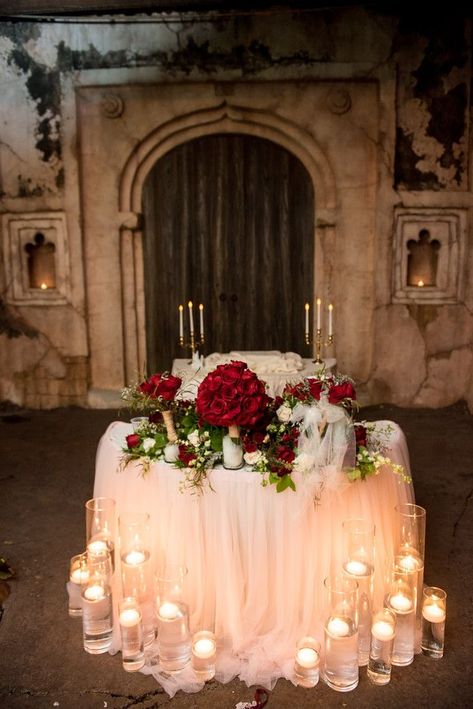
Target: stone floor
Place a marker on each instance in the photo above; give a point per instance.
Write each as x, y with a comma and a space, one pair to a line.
47, 469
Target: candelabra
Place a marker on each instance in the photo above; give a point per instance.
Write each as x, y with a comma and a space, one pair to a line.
194, 342
319, 340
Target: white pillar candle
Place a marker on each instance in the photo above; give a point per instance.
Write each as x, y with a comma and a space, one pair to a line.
191, 317
134, 557
181, 321
400, 602
169, 611
382, 630
201, 320
319, 322
338, 627
330, 320
307, 657
307, 309
94, 593
356, 568
204, 648
129, 618
433, 613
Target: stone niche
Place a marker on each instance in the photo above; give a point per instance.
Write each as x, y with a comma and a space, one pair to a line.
36, 258
429, 255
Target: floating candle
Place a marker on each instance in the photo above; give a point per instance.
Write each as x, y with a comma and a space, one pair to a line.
94, 593
204, 648
382, 630
169, 611
134, 557
400, 602
129, 617
79, 575
338, 627
307, 657
97, 548
409, 563
433, 613
356, 568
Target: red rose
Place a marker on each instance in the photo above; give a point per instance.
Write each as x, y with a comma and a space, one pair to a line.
360, 435
250, 446
158, 386
285, 454
186, 455
133, 440
228, 392
339, 392
215, 382
315, 388
277, 402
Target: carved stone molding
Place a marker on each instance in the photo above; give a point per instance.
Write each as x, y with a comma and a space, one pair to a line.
338, 101
112, 105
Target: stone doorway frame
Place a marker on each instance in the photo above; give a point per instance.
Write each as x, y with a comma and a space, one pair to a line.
223, 118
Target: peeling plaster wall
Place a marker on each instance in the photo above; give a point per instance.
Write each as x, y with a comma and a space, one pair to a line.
422, 353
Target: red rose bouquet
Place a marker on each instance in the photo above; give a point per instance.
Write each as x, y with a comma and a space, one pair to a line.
232, 396
157, 393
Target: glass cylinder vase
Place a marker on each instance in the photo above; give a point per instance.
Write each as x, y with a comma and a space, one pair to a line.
232, 449
204, 653
382, 640
358, 563
97, 615
172, 618
136, 572
307, 662
341, 633
131, 631
400, 599
100, 526
78, 576
434, 613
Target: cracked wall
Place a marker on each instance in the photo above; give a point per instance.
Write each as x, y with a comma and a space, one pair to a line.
422, 356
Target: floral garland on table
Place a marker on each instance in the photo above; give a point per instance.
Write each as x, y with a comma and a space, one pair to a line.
279, 436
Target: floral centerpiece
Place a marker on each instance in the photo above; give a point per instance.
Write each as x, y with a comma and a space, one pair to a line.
155, 395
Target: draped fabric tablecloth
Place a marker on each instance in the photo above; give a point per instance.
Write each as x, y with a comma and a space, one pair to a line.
256, 559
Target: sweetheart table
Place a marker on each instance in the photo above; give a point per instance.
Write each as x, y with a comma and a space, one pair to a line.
256, 559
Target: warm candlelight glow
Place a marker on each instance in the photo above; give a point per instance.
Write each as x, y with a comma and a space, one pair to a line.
338, 627
420, 284
409, 563
382, 630
204, 648
330, 320
400, 603
44, 286
433, 613
79, 575
169, 611
307, 657
134, 557
94, 593
356, 568
97, 548
129, 617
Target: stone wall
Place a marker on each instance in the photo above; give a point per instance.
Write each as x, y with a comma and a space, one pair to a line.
420, 350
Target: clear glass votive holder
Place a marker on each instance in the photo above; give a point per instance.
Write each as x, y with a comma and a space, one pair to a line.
341, 633
307, 662
100, 526
434, 613
131, 631
383, 630
400, 599
358, 563
138, 421
97, 614
78, 576
409, 564
204, 653
410, 529
172, 618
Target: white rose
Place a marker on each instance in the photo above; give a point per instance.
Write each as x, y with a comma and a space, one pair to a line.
284, 413
303, 463
148, 444
252, 458
193, 438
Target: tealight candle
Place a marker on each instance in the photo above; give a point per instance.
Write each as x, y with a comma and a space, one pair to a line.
129, 617
409, 563
94, 593
204, 648
356, 568
307, 662
169, 611
338, 627
79, 575
433, 613
307, 657
134, 557
97, 548
400, 602
382, 630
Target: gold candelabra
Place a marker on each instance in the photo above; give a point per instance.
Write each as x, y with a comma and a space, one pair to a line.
194, 342
319, 340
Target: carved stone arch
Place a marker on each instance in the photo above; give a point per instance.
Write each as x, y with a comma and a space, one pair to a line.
224, 118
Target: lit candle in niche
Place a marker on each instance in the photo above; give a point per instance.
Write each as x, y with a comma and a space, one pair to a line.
420, 284
330, 320
319, 303
181, 322
44, 286
191, 317
307, 310
201, 321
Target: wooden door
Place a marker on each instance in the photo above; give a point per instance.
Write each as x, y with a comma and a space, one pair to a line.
229, 222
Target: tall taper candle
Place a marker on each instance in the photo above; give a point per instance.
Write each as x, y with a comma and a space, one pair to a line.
319, 302
201, 321
307, 309
330, 320
181, 321
191, 317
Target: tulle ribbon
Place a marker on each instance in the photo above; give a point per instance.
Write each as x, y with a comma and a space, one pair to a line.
326, 445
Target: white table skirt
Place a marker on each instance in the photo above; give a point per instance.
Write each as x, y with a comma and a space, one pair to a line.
256, 559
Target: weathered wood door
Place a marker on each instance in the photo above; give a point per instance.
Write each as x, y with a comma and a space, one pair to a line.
229, 222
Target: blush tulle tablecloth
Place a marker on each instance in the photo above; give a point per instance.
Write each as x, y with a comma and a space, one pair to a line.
256, 559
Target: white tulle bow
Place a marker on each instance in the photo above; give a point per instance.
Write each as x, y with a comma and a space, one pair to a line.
326, 444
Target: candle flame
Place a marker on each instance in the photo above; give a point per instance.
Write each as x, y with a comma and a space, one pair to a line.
307, 306
330, 307
44, 286
420, 284
181, 308
318, 301
201, 307
190, 304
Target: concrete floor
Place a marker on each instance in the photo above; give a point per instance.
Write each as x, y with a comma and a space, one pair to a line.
47, 470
